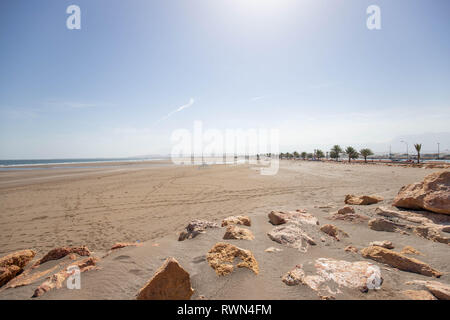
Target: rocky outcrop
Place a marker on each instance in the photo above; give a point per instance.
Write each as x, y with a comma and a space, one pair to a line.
242, 220
432, 194
57, 279
170, 282
238, 233
359, 275
12, 264
280, 217
292, 235
384, 244
362, 200
399, 261
334, 232
195, 227
58, 253
431, 233
418, 295
222, 255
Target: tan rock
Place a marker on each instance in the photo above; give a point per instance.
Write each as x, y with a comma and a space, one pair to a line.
399, 261
57, 279
385, 244
170, 282
351, 249
242, 220
222, 255
238, 233
292, 235
380, 224
346, 210
280, 217
362, 200
418, 295
294, 277
58, 253
431, 233
410, 250
195, 227
440, 290
120, 245
333, 231
19, 258
8, 273
432, 194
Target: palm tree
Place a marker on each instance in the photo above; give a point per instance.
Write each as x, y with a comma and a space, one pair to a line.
418, 146
303, 155
335, 151
366, 152
296, 155
351, 153
319, 154
288, 155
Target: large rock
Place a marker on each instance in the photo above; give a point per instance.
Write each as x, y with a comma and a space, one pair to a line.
292, 235
362, 200
433, 194
58, 253
399, 261
8, 273
334, 231
222, 255
19, 258
195, 227
170, 282
237, 233
12, 264
242, 220
361, 275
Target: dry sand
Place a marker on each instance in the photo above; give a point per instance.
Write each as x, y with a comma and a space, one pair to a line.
98, 207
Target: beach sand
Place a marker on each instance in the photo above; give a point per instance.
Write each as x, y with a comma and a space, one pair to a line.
44, 209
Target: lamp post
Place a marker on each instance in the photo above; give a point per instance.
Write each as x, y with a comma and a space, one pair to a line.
407, 151
438, 150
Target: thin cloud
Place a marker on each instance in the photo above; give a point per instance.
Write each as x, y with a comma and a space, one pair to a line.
185, 106
257, 98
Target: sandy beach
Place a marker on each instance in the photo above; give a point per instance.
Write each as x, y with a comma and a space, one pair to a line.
152, 203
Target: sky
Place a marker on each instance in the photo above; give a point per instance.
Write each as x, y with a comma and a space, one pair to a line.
138, 70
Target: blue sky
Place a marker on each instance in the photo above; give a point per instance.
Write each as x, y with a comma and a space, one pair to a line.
137, 70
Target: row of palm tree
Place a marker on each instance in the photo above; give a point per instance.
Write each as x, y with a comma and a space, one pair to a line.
336, 151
